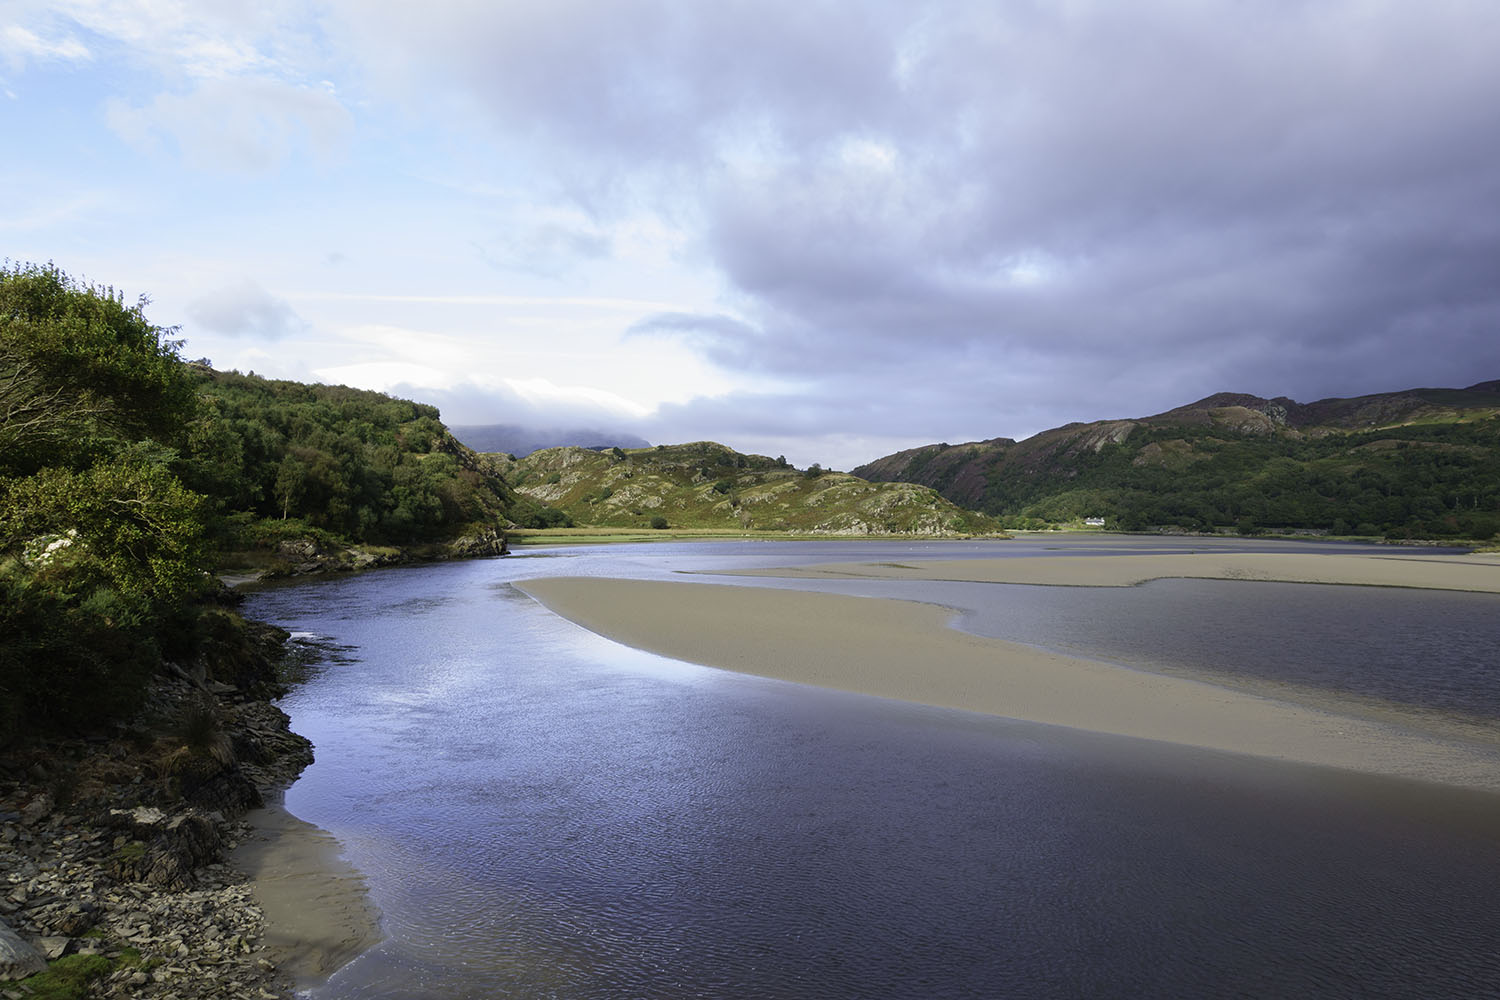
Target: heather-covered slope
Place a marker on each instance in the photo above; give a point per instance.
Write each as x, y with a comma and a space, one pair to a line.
706, 485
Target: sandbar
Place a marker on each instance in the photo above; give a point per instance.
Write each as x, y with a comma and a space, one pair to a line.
318, 913
907, 650
1426, 571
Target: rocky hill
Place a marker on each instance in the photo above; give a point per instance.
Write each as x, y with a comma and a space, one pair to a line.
1417, 463
707, 485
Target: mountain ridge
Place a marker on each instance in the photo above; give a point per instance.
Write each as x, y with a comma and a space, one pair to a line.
1245, 461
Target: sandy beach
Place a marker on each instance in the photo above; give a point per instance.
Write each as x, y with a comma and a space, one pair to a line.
908, 651
1425, 571
318, 914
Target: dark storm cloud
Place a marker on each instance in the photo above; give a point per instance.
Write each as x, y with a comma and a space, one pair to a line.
644, 81
1004, 216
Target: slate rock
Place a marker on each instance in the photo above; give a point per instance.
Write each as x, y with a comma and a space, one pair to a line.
18, 959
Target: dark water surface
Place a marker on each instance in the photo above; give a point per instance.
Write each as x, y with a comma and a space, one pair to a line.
542, 813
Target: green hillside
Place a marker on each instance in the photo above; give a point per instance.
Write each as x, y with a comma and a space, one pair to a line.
706, 485
1424, 463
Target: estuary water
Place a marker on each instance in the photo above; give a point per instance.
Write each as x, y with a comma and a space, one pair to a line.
543, 813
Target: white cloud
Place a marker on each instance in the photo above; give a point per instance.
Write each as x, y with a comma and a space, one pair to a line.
249, 125
245, 309
199, 39
769, 219
19, 45
381, 376
544, 394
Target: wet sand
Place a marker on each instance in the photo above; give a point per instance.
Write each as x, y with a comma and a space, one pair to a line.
1425, 571
318, 914
907, 651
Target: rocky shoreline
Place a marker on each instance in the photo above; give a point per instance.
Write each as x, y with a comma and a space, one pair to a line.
309, 556
113, 851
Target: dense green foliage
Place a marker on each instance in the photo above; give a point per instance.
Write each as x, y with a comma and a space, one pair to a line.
357, 464
101, 546
125, 472
1433, 472
80, 372
1433, 481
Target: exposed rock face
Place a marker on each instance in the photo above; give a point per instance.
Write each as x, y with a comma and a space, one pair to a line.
164, 850
302, 556
489, 542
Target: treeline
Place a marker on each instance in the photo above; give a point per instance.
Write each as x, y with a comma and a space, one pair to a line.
1436, 481
360, 465
125, 473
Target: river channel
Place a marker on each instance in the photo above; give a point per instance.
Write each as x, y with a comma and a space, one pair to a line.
543, 813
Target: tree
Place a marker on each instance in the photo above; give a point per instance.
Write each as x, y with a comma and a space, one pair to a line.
291, 483
36, 415
120, 374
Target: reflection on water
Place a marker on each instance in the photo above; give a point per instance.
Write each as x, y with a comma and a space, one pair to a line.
544, 814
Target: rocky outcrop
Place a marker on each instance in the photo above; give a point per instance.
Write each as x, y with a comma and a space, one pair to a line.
141, 940
161, 849
486, 542
307, 556
304, 556
111, 860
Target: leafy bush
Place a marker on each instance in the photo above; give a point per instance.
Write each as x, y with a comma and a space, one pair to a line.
102, 547
544, 517
69, 662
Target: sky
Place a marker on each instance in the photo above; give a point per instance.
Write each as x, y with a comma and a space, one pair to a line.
823, 229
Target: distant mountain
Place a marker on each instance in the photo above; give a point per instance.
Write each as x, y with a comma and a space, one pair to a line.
1418, 463
706, 485
513, 439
